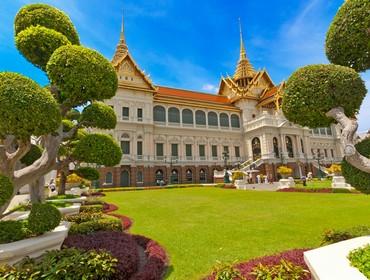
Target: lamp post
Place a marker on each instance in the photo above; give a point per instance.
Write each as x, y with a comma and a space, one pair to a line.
319, 157
171, 161
225, 156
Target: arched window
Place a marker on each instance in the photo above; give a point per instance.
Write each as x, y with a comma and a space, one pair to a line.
189, 176
256, 148
202, 176
109, 178
276, 147
187, 116
125, 136
158, 176
289, 146
159, 114
139, 177
173, 115
125, 178
235, 122
212, 119
174, 177
200, 118
224, 120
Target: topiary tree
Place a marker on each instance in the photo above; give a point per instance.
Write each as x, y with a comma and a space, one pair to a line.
48, 117
318, 95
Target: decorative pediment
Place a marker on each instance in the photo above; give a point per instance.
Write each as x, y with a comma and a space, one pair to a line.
130, 75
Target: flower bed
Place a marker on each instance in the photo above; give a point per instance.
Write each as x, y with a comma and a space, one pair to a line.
157, 260
126, 221
179, 186
294, 256
315, 190
122, 246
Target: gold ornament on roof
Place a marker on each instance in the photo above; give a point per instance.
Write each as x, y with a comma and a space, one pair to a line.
122, 48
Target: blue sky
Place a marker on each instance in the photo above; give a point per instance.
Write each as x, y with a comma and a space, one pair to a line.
190, 44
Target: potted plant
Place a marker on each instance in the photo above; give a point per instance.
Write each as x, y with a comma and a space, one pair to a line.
285, 171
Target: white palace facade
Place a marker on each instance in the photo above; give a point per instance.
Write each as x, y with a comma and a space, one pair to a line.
182, 136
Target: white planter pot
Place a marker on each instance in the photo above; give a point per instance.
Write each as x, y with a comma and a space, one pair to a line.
71, 200
330, 262
77, 191
340, 182
286, 183
34, 247
71, 210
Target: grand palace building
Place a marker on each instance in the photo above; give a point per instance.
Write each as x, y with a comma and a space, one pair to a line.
182, 136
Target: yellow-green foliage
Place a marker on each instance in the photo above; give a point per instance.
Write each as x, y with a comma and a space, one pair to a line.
238, 175
284, 170
334, 169
6, 189
99, 115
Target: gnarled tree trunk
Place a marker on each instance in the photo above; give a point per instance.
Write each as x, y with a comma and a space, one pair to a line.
37, 194
349, 139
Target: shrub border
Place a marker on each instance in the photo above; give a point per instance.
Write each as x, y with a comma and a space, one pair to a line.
126, 221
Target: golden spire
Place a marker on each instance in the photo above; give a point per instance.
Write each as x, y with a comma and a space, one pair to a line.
244, 68
121, 48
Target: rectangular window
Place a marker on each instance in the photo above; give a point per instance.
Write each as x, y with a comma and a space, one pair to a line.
329, 131
125, 113
140, 114
159, 149
332, 153
139, 148
125, 147
202, 151
237, 151
188, 150
174, 150
326, 153
214, 151
226, 149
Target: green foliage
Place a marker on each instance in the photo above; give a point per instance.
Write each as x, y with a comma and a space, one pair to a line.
314, 90
82, 75
88, 173
358, 179
67, 125
89, 221
11, 231
38, 43
63, 196
91, 208
99, 115
43, 218
334, 236
348, 38
284, 270
32, 155
46, 16
227, 271
360, 258
6, 189
64, 264
73, 115
24, 102
98, 148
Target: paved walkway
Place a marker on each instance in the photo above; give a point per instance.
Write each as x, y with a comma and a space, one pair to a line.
260, 187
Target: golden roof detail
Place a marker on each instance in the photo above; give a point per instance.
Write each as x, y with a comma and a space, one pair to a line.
244, 68
121, 49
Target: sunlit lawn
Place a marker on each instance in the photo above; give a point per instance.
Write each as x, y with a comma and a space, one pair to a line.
199, 226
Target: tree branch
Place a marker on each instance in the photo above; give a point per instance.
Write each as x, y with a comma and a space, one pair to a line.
348, 139
23, 148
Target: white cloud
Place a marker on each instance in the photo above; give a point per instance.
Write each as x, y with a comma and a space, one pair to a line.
210, 88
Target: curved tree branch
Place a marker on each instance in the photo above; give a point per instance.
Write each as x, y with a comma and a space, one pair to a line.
348, 139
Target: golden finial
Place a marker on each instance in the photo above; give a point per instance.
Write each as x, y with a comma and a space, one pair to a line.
243, 54
122, 48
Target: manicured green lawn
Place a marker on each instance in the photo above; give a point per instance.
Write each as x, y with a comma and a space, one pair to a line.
199, 226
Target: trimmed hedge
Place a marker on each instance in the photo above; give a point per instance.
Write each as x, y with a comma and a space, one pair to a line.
88, 77
347, 41
6, 189
64, 264
22, 101
46, 16
358, 179
99, 115
11, 231
43, 218
313, 90
91, 208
